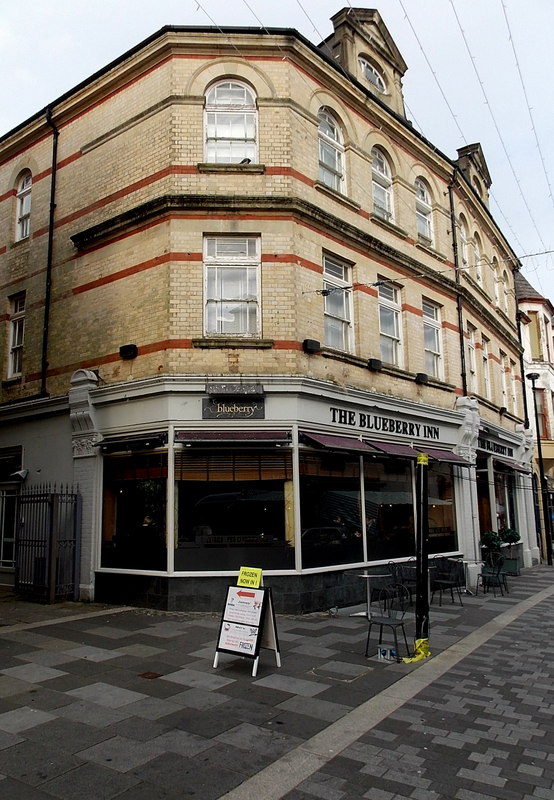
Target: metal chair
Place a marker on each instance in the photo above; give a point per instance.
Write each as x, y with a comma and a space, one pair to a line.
393, 604
493, 577
448, 576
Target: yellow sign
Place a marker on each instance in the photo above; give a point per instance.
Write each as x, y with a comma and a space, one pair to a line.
423, 458
250, 576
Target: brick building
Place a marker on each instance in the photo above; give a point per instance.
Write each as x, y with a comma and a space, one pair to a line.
241, 293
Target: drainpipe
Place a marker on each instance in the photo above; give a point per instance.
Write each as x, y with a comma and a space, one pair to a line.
526, 422
459, 305
48, 284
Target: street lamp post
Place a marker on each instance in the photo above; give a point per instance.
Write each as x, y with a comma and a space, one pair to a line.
547, 522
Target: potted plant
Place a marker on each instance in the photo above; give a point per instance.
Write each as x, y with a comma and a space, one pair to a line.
491, 541
510, 538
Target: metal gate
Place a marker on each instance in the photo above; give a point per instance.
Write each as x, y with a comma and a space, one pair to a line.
47, 543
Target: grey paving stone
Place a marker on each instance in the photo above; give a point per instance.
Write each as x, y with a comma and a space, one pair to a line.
104, 694
141, 650
188, 777
120, 753
93, 714
89, 782
197, 679
153, 708
16, 790
68, 735
315, 707
110, 632
34, 764
21, 719
91, 653
291, 685
259, 740
48, 658
33, 673
198, 698
183, 743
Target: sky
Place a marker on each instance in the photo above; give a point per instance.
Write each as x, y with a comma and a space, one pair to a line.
478, 71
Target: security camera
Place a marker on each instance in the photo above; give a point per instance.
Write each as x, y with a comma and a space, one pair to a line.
21, 474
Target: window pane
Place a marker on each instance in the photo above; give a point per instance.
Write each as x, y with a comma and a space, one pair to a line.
388, 320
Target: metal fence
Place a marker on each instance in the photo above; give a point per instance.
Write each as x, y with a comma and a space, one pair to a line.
47, 543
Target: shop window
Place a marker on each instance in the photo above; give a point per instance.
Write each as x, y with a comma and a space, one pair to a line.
233, 508
330, 505
505, 497
134, 512
231, 123
337, 293
389, 509
441, 509
232, 266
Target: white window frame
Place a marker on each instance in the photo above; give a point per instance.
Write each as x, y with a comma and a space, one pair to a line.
504, 378
477, 259
230, 123
485, 361
496, 282
505, 292
464, 240
232, 285
23, 207
331, 152
381, 185
372, 75
513, 388
390, 335
471, 358
432, 338
424, 211
337, 294
17, 335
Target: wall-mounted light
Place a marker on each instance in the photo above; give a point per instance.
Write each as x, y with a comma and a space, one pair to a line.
128, 351
311, 346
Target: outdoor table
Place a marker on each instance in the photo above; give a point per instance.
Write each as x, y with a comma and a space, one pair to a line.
368, 576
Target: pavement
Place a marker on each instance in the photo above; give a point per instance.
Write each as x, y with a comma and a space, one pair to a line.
100, 702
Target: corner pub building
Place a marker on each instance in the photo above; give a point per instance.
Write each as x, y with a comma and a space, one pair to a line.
241, 293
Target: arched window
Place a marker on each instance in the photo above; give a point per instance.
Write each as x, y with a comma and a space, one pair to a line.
23, 208
424, 222
477, 259
505, 291
231, 123
331, 151
464, 257
381, 184
372, 75
496, 282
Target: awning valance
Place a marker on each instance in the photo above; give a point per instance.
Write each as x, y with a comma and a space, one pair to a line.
394, 449
330, 442
446, 456
232, 436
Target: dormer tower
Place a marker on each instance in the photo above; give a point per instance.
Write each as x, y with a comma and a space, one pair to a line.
363, 46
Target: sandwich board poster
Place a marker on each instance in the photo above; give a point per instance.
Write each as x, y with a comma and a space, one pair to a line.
248, 624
